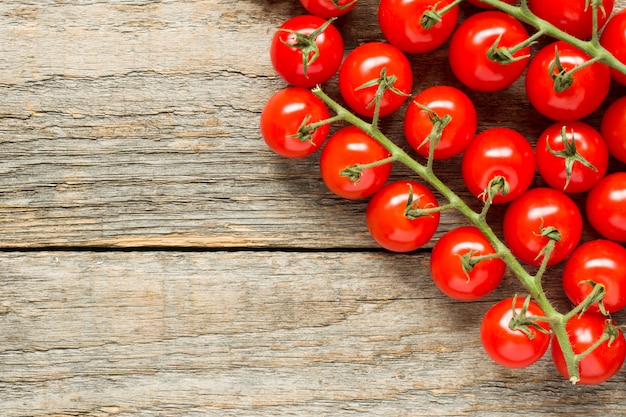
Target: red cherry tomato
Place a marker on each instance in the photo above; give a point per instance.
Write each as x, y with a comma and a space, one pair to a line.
471, 42
604, 361
606, 207
498, 152
603, 262
347, 147
613, 129
328, 8
282, 117
613, 38
513, 348
443, 101
589, 86
571, 16
388, 222
448, 272
400, 23
364, 65
486, 6
575, 164
535, 211
287, 51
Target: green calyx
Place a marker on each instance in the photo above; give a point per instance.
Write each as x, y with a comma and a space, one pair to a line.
306, 44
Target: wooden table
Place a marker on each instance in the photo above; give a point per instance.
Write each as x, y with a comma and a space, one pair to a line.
158, 260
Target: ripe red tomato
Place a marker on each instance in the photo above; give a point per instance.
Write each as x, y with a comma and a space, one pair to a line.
471, 42
443, 101
364, 65
350, 146
302, 61
604, 361
448, 273
606, 207
613, 128
399, 20
602, 261
541, 208
486, 6
589, 86
513, 348
388, 222
282, 117
328, 8
497, 152
571, 16
575, 164
613, 38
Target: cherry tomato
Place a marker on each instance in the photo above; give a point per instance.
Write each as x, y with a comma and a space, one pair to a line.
347, 147
571, 16
470, 44
513, 348
328, 8
535, 212
613, 129
282, 117
400, 22
302, 61
575, 163
387, 218
498, 152
613, 38
442, 101
589, 85
486, 6
448, 272
603, 262
606, 207
604, 361
364, 65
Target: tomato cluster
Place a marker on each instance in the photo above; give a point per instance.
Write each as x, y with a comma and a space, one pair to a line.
542, 225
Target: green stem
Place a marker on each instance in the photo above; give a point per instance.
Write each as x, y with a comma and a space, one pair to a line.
530, 283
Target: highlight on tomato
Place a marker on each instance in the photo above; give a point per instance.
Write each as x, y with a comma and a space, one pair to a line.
512, 335
284, 121
403, 216
448, 109
343, 153
463, 265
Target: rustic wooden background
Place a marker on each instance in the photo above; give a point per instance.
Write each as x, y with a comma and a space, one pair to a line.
157, 260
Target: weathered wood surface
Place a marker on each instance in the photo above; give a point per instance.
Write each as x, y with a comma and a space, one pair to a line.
131, 124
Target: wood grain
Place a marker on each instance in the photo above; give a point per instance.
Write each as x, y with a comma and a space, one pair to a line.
158, 260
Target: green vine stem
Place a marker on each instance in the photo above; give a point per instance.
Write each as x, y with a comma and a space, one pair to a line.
532, 283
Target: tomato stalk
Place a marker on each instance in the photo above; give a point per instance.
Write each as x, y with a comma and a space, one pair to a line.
591, 47
570, 154
433, 16
353, 172
532, 283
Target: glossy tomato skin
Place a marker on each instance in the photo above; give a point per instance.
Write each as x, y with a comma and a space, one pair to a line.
495, 152
603, 362
471, 41
386, 220
364, 64
486, 6
282, 116
513, 348
571, 16
443, 100
287, 60
589, 88
328, 8
606, 206
399, 21
447, 270
613, 38
589, 144
613, 129
350, 146
537, 208
602, 261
